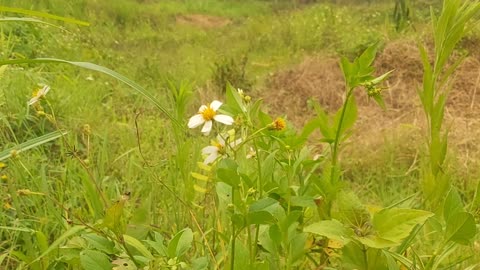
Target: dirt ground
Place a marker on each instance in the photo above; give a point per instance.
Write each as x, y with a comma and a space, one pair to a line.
201, 20
320, 78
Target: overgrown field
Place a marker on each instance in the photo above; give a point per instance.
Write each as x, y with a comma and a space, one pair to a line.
252, 134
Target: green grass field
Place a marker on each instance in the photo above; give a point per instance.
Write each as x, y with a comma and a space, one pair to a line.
103, 172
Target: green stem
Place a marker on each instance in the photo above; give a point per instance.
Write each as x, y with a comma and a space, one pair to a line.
339, 128
232, 254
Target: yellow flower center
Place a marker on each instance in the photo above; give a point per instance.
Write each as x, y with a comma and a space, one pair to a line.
278, 124
208, 114
220, 147
35, 93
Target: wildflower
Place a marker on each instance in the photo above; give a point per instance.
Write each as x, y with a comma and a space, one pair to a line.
4, 177
7, 206
251, 153
218, 149
2, 165
278, 124
14, 153
37, 95
206, 114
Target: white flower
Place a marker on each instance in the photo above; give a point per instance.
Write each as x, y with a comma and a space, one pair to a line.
206, 114
37, 95
251, 153
218, 149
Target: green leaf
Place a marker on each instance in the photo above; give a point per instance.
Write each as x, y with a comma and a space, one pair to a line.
261, 217
453, 204
227, 172
200, 263
100, 69
135, 243
158, 244
262, 204
180, 243
461, 228
374, 241
302, 201
60, 240
94, 260
100, 243
395, 224
113, 219
42, 15
331, 229
7, 153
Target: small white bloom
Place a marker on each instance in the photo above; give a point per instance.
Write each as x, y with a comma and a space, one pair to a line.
251, 153
89, 78
206, 114
37, 95
218, 148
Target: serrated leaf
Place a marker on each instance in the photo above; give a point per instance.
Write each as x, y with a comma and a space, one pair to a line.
331, 229
395, 224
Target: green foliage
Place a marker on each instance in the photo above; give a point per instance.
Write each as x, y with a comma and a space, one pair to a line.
94, 200
231, 71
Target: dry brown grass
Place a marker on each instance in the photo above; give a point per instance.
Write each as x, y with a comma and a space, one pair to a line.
320, 78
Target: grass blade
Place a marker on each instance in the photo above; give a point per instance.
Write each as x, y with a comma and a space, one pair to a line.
101, 69
31, 144
42, 15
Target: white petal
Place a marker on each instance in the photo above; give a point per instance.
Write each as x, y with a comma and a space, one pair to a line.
195, 121
211, 158
207, 127
215, 105
224, 119
236, 142
220, 140
202, 108
32, 101
209, 150
45, 90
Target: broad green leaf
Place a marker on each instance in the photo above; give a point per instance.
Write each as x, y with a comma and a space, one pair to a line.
234, 100
373, 241
7, 153
453, 204
114, 218
135, 243
227, 171
302, 201
262, 204
100, 69
395, 224
180, 243
94, 260
100, 243
158, 244
461, 228
42, 15
348, 209
260, 217
331, 229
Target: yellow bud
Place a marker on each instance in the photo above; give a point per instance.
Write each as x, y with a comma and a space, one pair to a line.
279, 124
2, 165
4, 177
14, 153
